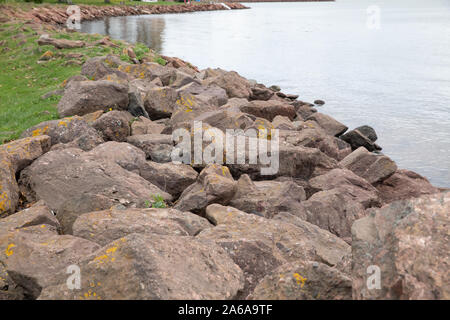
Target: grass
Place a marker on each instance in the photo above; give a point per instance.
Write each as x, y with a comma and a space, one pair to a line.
23, 80
158, 202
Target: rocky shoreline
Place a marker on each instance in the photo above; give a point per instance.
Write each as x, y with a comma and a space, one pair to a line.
98, 186
57, 15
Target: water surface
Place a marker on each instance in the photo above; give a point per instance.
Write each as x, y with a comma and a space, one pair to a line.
395, 78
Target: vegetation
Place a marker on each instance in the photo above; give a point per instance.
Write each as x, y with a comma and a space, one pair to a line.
93, 2
158, 202
25, 79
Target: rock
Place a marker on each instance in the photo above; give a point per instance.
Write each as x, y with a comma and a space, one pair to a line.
136, 105
269, 109
407, 245
214, 185
32, 256
142, 125
59, 43
404, 184
348, 182
15, 156
319, 102
304, 281
114, 125
38, 214
71, 183
225, 118
275, 88
235, 85
357, 139
106, 226
170, 177
267, 198
160, 102
297, 162
329, 125
83, 97
72, 132
261, 93
310, 135
372, 167
181, 79
149, 71
286, 241
153, 267
282, 123
333, 210
157, 147
215, 95
58, 92
188, 107
304, 111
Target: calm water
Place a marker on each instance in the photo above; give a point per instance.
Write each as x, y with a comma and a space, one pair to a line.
396, 78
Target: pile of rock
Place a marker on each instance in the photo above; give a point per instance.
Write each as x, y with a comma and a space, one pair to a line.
77, 191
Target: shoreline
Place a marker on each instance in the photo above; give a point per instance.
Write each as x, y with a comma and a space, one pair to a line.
57, 15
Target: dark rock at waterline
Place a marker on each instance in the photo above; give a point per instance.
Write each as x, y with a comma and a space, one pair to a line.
364, 136
136, 105
319, 102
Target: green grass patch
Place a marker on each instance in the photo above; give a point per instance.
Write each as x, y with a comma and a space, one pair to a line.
24, 79
94, 2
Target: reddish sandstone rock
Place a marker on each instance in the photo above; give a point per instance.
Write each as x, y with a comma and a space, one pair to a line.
269, 109
408, 243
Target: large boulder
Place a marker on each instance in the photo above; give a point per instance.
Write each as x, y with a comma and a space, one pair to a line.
215, 94
157, 147
189, 106
73, 132
304, 281
214, 185
142, 125
370, 166
329, 124
269, 109
160, 102
235, 85
149, 71
401, 250
32, 255
15, 156
348, 182
171, 177
267, 198
404, 184
71, 182
154, 267
84, 97
98, 67
106, 226
114, 125
364, 136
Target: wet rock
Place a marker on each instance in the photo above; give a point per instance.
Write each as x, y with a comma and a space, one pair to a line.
72, 132
408, 242
83, 97
372, 167
364, 136
153, 267
114, 125
330, 125
106, 226
214, 185
304, 281
267, 198
269, 109
404, 184
319, 102
72, 182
